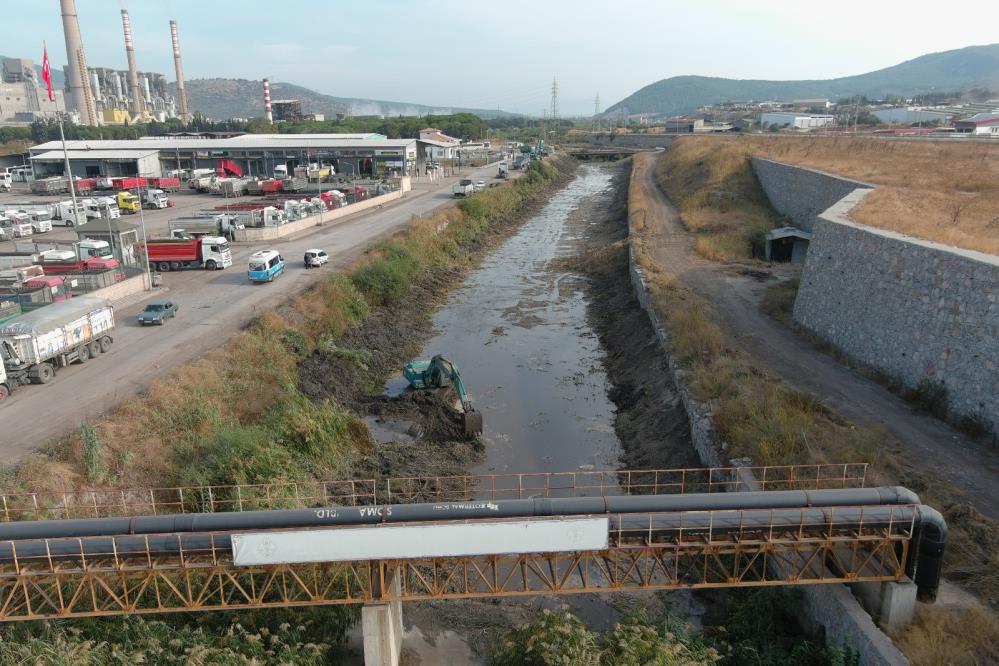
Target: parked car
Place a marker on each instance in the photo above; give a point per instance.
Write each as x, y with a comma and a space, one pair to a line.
315, 258
157, 312
480, 185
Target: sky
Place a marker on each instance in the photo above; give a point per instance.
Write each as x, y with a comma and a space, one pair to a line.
501, 53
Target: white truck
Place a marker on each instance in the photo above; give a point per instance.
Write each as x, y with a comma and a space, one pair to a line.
6, 180
464, 188
155, 199
33, 345
16, 224
101, 207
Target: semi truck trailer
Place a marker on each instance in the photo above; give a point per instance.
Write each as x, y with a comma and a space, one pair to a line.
170, 254
34, 345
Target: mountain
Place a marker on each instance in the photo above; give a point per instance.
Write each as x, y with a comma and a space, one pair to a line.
240, 98
948, 71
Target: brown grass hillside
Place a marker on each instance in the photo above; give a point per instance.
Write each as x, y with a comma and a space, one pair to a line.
944, 191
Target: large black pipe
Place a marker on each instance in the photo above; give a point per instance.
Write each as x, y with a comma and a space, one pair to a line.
930, 540
393, 513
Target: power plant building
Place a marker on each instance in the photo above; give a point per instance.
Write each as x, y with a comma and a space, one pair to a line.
23, 97
111, 94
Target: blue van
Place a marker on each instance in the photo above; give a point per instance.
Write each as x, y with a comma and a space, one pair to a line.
265, 265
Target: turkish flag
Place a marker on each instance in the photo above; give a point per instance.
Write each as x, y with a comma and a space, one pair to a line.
47, 73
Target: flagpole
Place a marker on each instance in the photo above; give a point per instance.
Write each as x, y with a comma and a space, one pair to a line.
69, 174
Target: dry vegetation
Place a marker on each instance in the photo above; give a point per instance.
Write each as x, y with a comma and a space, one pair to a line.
944, 191
757, 415
716, 192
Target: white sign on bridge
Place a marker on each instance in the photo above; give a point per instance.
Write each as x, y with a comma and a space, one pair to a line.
394, 542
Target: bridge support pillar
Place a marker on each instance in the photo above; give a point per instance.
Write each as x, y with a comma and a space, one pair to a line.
381, 626
891, 604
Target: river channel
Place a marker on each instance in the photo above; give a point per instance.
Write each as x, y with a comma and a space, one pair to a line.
518, 330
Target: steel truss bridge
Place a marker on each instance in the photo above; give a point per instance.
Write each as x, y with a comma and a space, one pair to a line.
53, 565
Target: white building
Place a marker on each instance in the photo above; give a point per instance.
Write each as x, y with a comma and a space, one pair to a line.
796, 120
911, 115
980, 124
439, 146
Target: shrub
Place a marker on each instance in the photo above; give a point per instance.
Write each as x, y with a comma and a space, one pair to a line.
554, 638
930, 396
93, 454
236, 455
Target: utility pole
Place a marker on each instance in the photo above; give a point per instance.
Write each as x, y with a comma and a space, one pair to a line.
596, 113
555, 107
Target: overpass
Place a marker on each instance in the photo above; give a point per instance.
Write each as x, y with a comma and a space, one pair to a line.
381, 541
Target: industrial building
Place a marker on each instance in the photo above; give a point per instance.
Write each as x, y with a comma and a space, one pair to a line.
255, 154
22, 100
980, 124
111, 94
796, 120
912, 115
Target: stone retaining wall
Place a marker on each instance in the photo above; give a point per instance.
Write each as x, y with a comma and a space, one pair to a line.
913, 309
801, 194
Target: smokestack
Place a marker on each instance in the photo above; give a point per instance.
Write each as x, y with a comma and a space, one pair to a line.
95, 85
267, 101
77, 78
145, 89
135, 104
181, 93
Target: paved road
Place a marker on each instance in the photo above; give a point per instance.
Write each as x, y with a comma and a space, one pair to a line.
929, 446
213, 306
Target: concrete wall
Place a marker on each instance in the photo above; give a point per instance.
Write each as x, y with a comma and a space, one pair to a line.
251, 235
122, 290
801, 194
914, 309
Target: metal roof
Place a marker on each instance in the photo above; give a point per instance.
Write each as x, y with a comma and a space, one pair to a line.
243, 142
46, 318
57, 155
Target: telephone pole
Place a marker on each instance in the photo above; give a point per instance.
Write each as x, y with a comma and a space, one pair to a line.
555, 107
596, 113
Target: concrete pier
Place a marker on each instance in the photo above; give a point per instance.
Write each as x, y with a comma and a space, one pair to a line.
381, 626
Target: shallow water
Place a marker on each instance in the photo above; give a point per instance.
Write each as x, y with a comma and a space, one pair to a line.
517, 329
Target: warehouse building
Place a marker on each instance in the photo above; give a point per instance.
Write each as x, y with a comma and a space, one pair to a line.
370, 155
796, 120
911, 116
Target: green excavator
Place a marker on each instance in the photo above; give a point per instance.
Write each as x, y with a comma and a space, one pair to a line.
439, 372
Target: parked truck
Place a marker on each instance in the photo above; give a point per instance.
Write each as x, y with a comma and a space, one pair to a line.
155, 199
129, 183
464, 188
56, 257
35, 344
210, 225
171, 254
128, 203
166, 183
52, 185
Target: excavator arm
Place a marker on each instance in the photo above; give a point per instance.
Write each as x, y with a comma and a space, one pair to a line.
439, 372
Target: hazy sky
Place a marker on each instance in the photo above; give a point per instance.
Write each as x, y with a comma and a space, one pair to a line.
503, 53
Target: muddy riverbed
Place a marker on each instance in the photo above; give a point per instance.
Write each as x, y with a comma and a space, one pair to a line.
518, 329
566, 371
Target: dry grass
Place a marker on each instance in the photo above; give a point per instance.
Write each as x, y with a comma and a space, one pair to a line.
713, 186
944, 191
969, 636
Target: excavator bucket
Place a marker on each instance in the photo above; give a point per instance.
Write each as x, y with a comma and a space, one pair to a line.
472, 421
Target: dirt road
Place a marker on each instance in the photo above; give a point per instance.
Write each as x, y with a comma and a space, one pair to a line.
213, 306
929, 446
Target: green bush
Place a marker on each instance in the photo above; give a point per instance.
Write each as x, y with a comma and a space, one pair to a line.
236, 455
930, 396
323, 435
296, 342
93, 455
554, 638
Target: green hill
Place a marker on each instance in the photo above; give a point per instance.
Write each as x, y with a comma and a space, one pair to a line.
947, 71
242, 98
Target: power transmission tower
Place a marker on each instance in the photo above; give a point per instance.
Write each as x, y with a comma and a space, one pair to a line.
596, 113
555, 107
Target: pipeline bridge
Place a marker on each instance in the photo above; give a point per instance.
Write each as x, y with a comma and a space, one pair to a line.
142, 551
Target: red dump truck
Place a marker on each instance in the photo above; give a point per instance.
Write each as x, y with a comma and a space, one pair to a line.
170, 254
166, 184
131, 183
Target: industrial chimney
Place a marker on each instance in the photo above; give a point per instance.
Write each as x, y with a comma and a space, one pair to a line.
135, 97
267, 101
181, 93
74, 55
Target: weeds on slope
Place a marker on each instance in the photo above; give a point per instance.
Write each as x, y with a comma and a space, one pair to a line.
238, 416
718, 196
